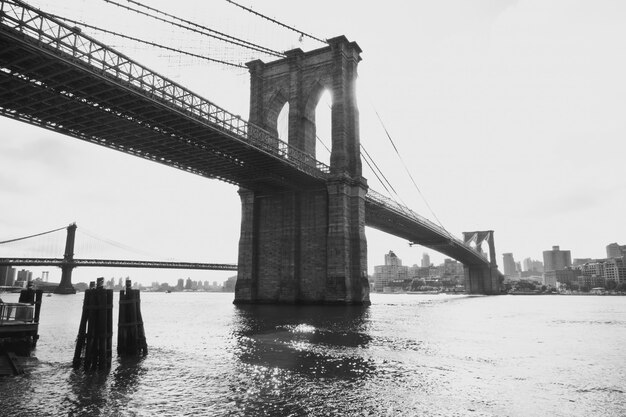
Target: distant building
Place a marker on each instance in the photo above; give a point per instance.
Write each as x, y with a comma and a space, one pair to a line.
615, 251
531, 265
23, 277
229, 284
580, 261
567, 275
425, 260
556, 259
391, 275
509, 265
7, 276
592, 269
615, 270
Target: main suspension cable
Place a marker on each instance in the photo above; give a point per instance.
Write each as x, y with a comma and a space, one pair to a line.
203, 30
301, 33
35, 235
110, 32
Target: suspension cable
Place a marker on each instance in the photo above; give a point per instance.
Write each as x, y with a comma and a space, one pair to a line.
110, 32
116, 244
301, 33
407, 170
28, 237
203, 30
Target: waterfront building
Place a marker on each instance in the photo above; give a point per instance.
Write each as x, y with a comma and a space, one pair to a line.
592, 269
23, 277
419, 272
556, 259
229, 284
567, 275
509, 265
7, 276
388, 277
615, 270
614, 250
425, 260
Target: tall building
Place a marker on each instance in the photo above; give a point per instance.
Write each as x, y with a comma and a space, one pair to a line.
509, 264
392, 272
614, 250
23, 277
615, 270
7, 276
530, 265
425, 260
556, 259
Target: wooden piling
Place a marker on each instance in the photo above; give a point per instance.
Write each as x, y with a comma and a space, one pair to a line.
131, 338
95, 329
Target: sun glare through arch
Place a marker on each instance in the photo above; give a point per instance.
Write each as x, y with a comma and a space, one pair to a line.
323, 127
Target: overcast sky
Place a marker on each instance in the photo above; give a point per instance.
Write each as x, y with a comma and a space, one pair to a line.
510, 115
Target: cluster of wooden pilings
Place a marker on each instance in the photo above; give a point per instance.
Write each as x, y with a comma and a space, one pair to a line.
96, 328
131, 339
95, 332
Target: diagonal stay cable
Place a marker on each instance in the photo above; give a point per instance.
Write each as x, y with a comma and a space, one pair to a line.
110, 32
408, 172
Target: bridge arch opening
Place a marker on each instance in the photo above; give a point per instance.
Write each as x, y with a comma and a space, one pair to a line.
320, 111
282, 123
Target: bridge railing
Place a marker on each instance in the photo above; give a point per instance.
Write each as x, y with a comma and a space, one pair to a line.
407, 212
16, 313
59, 36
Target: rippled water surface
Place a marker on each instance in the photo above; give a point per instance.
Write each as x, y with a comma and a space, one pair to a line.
422, 355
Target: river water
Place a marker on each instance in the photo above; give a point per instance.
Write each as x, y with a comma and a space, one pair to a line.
405, 355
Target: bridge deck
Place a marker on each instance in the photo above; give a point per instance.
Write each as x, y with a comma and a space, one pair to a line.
54, 77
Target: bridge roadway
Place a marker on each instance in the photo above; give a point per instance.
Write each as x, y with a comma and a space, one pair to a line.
114, 263
55, 77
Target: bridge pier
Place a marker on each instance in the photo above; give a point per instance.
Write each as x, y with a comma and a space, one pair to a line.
65, 286
307, 245
480, 279
485, 278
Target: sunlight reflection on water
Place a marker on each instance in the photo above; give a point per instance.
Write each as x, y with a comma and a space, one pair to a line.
404, 355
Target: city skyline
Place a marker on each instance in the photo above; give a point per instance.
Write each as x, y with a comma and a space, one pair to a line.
494, 121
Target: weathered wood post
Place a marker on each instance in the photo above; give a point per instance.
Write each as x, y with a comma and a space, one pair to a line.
95, 329
131, 338
34, 297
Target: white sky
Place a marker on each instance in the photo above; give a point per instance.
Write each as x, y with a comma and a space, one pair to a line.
509, 115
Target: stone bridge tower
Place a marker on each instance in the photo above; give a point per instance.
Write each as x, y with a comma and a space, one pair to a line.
307, 245
482, 279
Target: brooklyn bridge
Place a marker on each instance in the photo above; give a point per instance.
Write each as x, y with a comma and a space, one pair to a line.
302, 236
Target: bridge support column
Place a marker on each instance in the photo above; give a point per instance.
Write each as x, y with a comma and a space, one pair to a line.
484, 278
307, 245
303, 247
65, 286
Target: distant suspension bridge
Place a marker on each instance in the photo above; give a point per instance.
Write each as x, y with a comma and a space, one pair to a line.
68, 262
